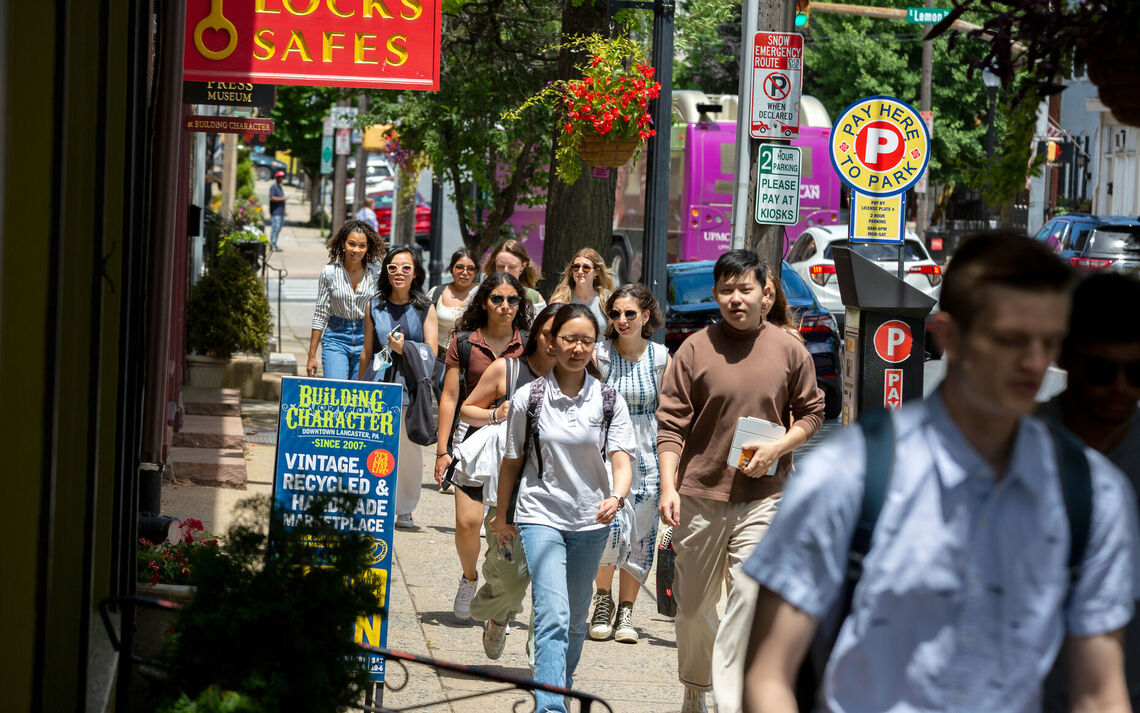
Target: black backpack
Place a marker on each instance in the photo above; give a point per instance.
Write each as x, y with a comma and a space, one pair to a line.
878, 432
533, 409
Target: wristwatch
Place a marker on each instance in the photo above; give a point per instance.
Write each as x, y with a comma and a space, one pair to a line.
620, 499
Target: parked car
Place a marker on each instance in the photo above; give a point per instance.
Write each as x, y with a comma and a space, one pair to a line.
377, 168
266, 166
811, 257
1065, 231
383, 208
1110, 245
691, 307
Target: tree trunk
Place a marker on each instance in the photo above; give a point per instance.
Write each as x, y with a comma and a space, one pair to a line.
315, 207
404, 211
579, 215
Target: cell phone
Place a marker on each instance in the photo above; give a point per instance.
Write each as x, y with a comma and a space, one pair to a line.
395, 331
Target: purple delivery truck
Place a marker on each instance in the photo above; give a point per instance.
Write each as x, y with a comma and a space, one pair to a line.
701, 180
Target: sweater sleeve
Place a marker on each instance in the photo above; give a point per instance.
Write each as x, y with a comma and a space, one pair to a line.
805, 398
675, 407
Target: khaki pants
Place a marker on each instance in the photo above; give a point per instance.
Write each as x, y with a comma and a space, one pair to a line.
504, 583
713, 542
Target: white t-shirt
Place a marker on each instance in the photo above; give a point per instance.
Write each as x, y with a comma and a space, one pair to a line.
575, 479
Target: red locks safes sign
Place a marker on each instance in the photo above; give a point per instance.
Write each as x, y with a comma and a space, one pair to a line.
387, 44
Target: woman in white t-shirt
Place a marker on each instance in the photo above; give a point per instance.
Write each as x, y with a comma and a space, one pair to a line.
558, 444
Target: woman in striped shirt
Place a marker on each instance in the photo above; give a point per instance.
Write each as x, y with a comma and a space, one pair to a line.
344, 290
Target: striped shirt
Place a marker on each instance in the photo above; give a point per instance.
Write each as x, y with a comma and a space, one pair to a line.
336, 298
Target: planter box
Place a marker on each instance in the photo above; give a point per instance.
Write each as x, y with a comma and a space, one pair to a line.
203, 371
152, 625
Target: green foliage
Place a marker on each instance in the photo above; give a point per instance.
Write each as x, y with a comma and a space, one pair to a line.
166, 563
492, 59
244, 187
298, 120
213, 700
240, 236
273, 615
708, 46
228, 310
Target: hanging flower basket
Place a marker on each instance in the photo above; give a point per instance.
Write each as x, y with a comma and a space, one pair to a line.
1114, 67
598, 150
604, 116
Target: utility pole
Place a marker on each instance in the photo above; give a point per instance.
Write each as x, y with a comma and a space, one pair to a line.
657, 165
922, 207
340, 177
360, 185
766, 240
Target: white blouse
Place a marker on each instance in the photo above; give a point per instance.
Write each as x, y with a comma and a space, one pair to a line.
336, 298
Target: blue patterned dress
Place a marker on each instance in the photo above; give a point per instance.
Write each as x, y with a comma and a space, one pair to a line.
633, 534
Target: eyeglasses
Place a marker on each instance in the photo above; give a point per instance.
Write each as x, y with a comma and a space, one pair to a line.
573, 341
630, 315
1102, 372
497, 300
400, 269
464, 268
579, 267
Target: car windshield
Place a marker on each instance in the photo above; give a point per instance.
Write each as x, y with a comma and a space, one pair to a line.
881, 252
1114, 239
691, 287
795, 289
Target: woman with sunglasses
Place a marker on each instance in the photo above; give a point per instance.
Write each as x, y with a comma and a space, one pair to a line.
493, 326
504, 581
634, 366
510, 256
588, 282
558, 445
344, 290
401, 317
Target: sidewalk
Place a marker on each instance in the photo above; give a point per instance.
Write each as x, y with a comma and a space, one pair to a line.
632, 678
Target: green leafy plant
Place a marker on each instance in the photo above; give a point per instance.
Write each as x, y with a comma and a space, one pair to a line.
228, 310
213, 700
611, 99
273, 614
241, 236
166, 563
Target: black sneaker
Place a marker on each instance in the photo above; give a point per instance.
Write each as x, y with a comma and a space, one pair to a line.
602, 623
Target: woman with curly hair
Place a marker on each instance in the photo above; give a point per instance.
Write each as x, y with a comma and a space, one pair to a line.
587, 281
401, 318
493, 326
344, 289
510, 256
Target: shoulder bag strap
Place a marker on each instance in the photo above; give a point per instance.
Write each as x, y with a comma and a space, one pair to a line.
533, 408
1076, 488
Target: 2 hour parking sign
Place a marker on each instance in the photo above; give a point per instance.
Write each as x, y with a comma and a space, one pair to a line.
880, 146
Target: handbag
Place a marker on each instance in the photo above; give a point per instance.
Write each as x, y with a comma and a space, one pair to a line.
666, 566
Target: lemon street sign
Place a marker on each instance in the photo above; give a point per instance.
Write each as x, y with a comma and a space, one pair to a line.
926, 15
778, 185
880, 146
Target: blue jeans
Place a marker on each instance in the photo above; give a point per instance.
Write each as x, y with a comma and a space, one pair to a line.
562, 570
341, 345
275, 222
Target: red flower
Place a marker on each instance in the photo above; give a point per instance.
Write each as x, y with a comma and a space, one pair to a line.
595, 61
569, 127
154, 578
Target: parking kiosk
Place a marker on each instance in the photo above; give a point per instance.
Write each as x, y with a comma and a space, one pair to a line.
884, 340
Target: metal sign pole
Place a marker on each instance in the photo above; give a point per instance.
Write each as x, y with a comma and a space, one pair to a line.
740, 206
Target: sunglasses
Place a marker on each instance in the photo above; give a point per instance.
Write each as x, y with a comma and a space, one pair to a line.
630, 315
1102, 372
400, 269
512, 300
464, 268
578, 267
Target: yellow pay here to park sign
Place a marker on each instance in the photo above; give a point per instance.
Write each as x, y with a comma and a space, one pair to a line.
880, 146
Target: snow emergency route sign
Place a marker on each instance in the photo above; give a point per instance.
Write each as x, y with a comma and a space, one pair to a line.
777, 71
880, 146
778, 184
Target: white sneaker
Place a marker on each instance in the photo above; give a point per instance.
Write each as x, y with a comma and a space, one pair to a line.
463, 597
602, 622
694, 701
623, 630
495, 637
404, 521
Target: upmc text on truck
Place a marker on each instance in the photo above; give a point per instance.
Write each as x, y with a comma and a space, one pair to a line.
701, 179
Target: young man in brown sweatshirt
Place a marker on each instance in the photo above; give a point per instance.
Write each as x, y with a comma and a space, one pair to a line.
740, 366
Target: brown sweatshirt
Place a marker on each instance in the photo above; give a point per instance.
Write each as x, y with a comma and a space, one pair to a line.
718, 375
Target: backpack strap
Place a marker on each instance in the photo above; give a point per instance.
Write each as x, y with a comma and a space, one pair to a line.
463, 349
436, 295
879, 435
512, 376
609, 398
533, 408
1076, 489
